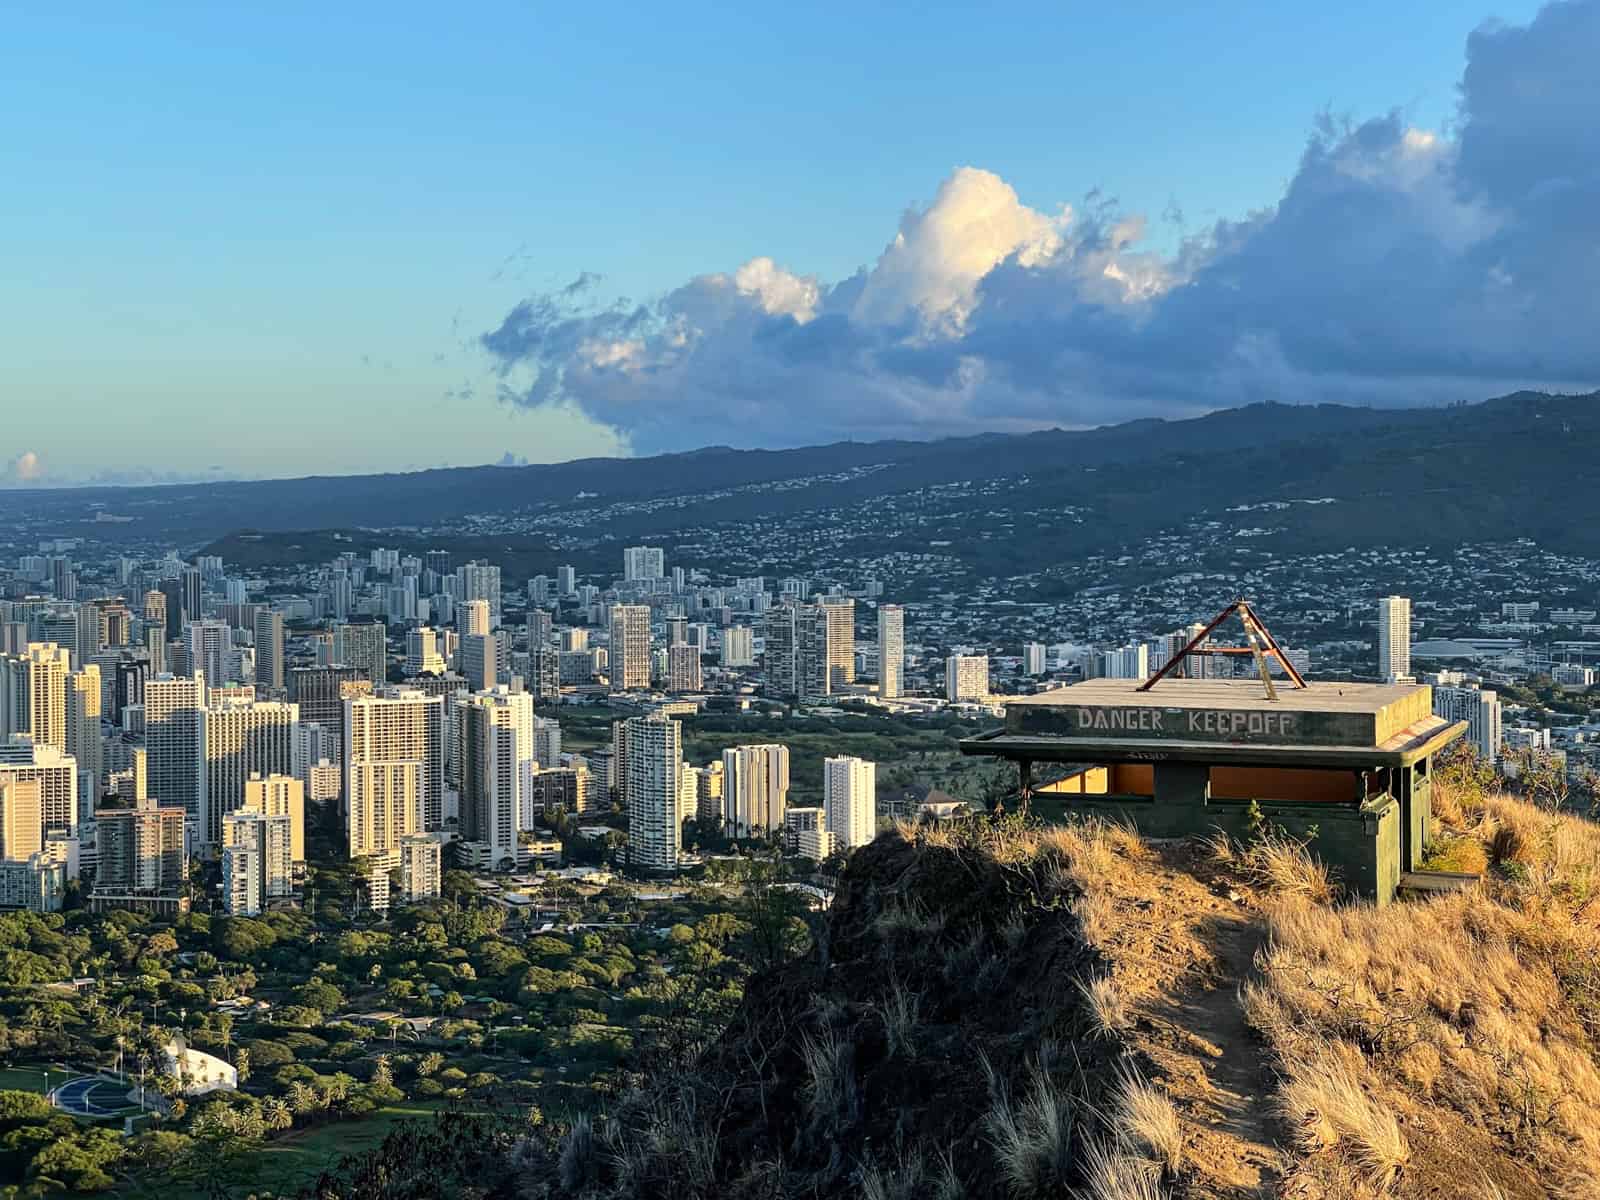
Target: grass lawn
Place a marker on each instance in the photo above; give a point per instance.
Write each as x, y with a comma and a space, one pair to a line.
31, 1079
290, 1162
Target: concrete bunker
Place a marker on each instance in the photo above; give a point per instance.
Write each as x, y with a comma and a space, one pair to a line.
1351, 762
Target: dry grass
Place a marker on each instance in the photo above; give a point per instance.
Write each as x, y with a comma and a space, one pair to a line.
1483, 1003
1147, 1122
1097, 916
1284, 867
1324, 1103
829, 1073
901, 1011
1110, 1013
1219, 848
912, 1179
1033, 1140
912, 919
1111, 1173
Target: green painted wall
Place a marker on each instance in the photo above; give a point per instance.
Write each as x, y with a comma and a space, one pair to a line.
1363, 846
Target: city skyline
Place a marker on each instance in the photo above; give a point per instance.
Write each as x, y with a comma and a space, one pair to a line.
508, 343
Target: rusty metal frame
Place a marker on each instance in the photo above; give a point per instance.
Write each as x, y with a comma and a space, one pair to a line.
1253, 629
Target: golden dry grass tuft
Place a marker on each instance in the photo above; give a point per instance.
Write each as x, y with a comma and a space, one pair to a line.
1147, 1121
1109, 1011
1284, 867
1111, 1172
1325, 1104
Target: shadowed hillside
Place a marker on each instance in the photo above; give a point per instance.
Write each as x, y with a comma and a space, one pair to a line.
999, 1012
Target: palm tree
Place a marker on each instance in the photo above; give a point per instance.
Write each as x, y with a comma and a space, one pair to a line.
302, 1099
275, 1115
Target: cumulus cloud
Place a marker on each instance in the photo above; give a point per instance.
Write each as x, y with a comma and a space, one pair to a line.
1400, 266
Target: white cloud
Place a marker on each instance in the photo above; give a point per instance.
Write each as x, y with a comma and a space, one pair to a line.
933, 266
1401, 265
778, 291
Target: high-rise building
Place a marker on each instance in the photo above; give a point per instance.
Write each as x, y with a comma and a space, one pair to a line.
738, 646
561, 787
190, 580
208, 643
796, 651
544, 674
630, 647
364, 646
497, 765
481, 581
1480, 709
472, 617
172, 609
1125, 662
541, 628
257, 865
33, 694
269, 649
384, 802
21, 819
755, 789
421, 866
655, 767
116, 624
643, 562
422, 652
321, 692
546, 741
140, 849
480, 658
37, 883
23, 760
172, 706
402, 725
780, 652
840, 613
891, 650
566, 580
966, 677
240, 738
155, 608
850, 800
814, 671
63, 579
683, 669
89, 641
280, 796
708, 794
1033, 658
1394, 639
84, 697
805, 832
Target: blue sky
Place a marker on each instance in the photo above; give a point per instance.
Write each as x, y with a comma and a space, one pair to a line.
268, 241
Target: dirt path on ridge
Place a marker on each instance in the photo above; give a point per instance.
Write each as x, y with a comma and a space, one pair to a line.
1182, 963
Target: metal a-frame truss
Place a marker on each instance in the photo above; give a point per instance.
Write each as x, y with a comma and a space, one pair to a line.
1262, 645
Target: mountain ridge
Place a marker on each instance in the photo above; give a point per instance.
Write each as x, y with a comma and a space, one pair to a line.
1510, 448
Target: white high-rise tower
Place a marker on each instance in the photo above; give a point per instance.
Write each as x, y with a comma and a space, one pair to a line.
891, 650
849, 800
1394, 639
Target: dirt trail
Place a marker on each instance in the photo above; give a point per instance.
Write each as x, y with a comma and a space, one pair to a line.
1182, 963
